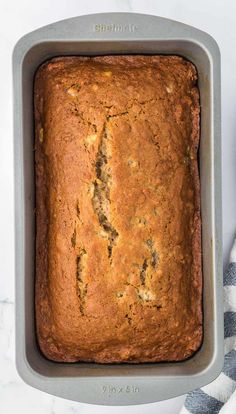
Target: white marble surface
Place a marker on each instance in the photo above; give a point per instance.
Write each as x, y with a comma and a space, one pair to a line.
19, 17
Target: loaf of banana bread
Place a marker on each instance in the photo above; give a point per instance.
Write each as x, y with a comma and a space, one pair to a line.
118, 230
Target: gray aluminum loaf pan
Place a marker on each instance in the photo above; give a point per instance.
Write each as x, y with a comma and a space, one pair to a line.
101, 34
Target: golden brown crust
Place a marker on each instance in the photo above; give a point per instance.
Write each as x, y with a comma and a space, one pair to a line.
118, 229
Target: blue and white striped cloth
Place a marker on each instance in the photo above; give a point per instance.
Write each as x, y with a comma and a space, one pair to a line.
220, 395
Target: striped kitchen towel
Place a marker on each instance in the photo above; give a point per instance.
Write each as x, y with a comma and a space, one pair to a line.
220, 395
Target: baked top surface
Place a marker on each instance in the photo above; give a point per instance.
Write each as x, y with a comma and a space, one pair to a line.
118, 254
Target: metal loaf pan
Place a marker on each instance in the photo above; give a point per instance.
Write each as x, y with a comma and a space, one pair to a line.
118, 33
